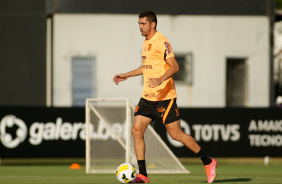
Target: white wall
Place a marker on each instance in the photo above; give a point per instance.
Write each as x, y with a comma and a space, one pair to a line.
116, 43
277, 52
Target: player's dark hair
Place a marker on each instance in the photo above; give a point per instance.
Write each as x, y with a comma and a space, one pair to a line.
151, 16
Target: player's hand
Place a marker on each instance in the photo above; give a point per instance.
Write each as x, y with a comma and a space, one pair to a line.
154, 82
119, 77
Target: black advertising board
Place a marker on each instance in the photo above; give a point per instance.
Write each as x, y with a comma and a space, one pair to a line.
221, 132
42, 132
234, 132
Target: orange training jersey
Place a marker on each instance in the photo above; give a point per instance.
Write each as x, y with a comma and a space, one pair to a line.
154, 55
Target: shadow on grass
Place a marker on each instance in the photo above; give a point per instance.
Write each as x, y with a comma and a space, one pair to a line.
233, 180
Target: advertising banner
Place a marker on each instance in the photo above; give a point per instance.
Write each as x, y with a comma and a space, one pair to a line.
42, 132
221, 132
234, 132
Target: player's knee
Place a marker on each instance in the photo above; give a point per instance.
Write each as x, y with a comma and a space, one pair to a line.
175, 136
136, 133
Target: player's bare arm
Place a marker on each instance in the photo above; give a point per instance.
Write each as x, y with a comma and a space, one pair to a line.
173, 68
121, 77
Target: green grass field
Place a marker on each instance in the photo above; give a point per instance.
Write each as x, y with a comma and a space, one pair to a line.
229, 170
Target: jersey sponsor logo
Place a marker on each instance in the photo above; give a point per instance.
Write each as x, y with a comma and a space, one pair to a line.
143, 59
147, 66
168, 47
150, 95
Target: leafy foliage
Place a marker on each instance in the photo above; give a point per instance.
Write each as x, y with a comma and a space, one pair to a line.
278, 4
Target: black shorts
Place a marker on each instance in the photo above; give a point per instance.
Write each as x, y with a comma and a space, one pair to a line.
165, 110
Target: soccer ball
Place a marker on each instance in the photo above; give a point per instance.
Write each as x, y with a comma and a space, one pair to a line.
126, 173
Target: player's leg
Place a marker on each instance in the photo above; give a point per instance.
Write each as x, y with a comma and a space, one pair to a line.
171, 120
138, 130
176, 133
142, 118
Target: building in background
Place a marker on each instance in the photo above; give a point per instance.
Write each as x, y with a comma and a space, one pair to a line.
277, 52
228, 57
61, 52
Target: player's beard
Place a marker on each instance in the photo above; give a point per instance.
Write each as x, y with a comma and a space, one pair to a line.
143, 33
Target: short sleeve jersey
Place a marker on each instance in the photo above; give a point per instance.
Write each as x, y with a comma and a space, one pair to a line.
154, 55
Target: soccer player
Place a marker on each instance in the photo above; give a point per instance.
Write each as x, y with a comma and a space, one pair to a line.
158, 99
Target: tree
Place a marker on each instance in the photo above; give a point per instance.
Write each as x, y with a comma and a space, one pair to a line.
278, 4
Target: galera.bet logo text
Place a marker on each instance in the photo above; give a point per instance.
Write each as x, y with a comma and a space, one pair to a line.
7, 139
